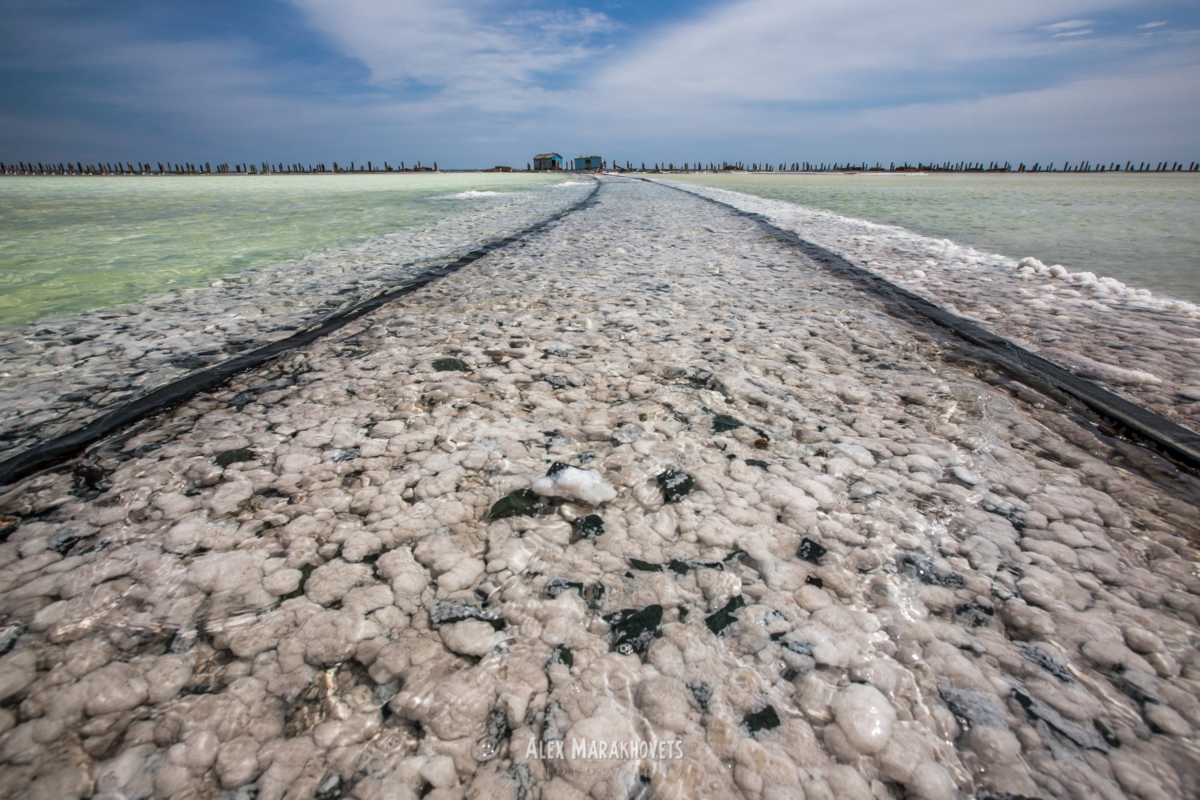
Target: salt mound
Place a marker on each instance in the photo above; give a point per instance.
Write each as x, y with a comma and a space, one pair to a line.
572, 483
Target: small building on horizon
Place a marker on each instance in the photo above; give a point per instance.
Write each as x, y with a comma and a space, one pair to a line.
588, 162
547, 162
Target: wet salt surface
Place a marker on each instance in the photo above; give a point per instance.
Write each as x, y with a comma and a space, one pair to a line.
1143, 346
59, 373
836, 565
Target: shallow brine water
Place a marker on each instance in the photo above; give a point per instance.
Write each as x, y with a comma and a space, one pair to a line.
1138, 228
113, 287
72, 244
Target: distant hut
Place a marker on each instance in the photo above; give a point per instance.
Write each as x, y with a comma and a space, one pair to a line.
588, 162
547, 162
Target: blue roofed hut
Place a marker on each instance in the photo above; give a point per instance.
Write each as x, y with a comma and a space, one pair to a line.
588, 162
547, 161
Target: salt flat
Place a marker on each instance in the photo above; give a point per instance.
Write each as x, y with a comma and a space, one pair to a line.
827, 559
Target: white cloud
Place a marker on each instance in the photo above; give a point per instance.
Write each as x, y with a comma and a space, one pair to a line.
1152, 25
1070, 24
483, 53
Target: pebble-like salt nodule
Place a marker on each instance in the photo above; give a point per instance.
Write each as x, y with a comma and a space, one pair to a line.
895, 577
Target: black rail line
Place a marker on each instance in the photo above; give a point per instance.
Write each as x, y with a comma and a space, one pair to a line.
61, 448
1179, 444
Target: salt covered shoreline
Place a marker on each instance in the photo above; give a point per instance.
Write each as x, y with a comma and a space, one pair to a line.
825, 561
1143, 346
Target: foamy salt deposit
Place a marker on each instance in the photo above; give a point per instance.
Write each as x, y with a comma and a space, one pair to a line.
59, 373
1138, 344
832, 564
579, 485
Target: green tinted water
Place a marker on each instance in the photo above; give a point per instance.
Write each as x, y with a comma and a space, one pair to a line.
1143, 229
71, 244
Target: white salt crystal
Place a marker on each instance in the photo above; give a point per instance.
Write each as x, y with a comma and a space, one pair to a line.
865, 716
579, 485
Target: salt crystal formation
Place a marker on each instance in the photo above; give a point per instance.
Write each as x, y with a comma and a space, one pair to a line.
892, 579
1133, 342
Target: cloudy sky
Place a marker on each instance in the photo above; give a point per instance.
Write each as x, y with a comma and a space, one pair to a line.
472, 84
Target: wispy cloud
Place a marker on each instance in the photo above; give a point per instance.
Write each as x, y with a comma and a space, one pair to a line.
461, 52
1152, 25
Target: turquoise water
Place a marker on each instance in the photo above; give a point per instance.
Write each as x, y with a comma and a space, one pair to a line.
1141, 229
72, 244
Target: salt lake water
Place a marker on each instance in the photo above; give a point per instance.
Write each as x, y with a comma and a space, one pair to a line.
72, 244
1138, 228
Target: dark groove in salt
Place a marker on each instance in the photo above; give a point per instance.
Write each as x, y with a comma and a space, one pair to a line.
1180, 444
61, 448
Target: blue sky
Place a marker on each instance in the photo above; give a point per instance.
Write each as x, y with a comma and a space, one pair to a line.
472, 84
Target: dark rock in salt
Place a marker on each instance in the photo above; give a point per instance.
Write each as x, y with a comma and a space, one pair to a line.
1077, 733
556, 468
632, 629
724, 422
718, 621
764, 720
556, 586
974, 614
9, 636
348, 454
644, 566
928, 574
1134, 684
590, 526
702, 692
522, 780
448, 612
63, 541
811, 550
90, 477
675, 485
594, 595
521, 503
488, 745
696, 377
233, 457
1107, 735
450, 365
329, 788
562, 655
8, 524
813, 580
754, 462
557, 352
679, 567
972, 708
557, 381
1044, 660
799, 648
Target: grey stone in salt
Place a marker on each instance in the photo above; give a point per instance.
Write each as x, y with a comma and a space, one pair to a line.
450, 365
632, 629
628, 434
928, 574
675, 485
1077, 733
718, 621
1044, 660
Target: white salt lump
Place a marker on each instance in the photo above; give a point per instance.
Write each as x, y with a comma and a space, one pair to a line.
865, 716
578, 485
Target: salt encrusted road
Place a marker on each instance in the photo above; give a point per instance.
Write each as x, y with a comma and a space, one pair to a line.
826, 561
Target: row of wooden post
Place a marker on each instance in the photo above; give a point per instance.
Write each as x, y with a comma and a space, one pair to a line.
961, 166
265, 168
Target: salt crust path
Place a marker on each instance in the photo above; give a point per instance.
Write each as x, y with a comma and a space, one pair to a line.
1137, 344
59, 373
997, 612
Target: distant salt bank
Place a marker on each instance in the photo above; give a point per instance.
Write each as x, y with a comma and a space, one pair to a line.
786, 540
